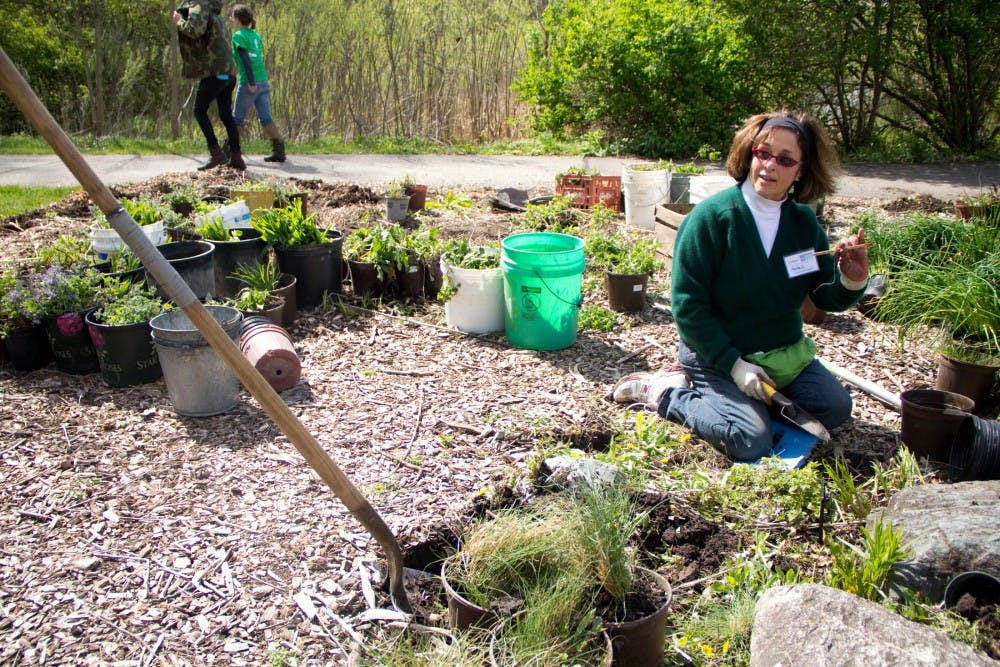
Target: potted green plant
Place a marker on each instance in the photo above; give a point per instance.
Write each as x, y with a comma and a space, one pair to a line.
628, 262
265, 276
572, 547
957, 297
680, 181
65, 297
146, 213
233, 246
251, 301
472, 288
183, 199
120, 333
425, 244
256, 194
416, 192
397, 202
286, 194
312, 254
985, 205
373, 255
21, 320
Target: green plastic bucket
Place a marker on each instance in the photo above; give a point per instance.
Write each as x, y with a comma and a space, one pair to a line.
542, 272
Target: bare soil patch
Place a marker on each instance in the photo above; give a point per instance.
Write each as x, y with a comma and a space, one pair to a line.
131, 535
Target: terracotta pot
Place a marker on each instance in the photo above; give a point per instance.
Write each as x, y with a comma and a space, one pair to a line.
960, 377
810, 313
626, 292
930, 419
417, 195
269, 349
462, 613
640, 643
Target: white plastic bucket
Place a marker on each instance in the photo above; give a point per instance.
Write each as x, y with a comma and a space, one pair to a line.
477, 305
643, 191
703, 186
106, 241
232, 215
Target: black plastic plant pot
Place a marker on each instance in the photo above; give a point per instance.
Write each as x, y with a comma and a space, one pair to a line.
229, 255
28, 348
194, 261
127, 354
317, 268
71, 346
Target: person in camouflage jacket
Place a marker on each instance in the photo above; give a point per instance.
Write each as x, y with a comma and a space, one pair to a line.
206, 55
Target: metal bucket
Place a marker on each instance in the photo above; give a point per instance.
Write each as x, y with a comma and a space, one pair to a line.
198, 382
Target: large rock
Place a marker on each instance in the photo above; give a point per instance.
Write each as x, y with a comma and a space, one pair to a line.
809, 624
951, 529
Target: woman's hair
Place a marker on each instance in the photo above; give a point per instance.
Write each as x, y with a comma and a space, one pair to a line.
244, 15
820, 162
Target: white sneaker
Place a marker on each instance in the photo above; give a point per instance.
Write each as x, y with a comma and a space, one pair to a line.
647, 388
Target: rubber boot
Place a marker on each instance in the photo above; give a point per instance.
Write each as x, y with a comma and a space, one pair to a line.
272, 132
277, 151
216, 159
236, 160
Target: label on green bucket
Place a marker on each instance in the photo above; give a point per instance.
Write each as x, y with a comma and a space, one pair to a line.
530, 301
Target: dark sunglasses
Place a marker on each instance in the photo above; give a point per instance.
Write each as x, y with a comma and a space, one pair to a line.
764, 155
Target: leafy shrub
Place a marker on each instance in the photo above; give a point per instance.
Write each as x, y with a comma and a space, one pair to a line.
660, 76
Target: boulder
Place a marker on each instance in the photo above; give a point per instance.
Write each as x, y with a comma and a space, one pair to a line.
950, 528
810, 624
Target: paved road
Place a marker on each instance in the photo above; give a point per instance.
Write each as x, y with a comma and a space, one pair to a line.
536, 174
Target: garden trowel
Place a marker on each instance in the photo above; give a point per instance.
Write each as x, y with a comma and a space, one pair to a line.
793, 414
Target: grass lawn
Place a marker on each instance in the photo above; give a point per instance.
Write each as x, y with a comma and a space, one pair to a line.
16, 199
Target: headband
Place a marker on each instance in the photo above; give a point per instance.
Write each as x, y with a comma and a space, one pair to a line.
790, 123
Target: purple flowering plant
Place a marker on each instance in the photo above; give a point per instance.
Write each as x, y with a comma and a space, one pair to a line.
29, 295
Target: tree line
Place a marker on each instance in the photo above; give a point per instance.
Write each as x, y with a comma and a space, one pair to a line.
667, 78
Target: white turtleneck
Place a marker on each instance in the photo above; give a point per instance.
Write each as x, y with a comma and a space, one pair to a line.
766, 213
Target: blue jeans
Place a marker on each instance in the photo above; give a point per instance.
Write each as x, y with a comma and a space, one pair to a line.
261, 101
740, 426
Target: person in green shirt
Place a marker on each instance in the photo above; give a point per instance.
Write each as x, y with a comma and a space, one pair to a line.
744, 261
254, 88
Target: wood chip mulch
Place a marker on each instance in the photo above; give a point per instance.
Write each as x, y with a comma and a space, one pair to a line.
133, 536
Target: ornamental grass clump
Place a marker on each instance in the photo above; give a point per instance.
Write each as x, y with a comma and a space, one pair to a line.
258, 276
554, 564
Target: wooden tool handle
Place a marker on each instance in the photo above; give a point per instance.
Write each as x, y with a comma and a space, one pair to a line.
24, 97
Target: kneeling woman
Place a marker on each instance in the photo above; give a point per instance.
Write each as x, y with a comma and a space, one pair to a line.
744, 261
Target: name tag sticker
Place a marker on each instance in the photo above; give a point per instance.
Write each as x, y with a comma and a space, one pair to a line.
801, 263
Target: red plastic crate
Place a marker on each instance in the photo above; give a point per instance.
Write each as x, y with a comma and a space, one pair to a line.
576, 186
588, 190
606, 190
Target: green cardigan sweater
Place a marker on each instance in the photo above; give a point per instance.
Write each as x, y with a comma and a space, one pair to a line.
728, 298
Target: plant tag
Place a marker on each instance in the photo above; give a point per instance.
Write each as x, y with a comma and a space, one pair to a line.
801, 263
